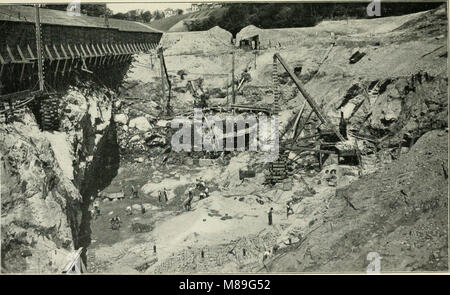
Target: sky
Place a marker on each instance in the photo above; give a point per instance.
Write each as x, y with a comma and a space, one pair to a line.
124, 7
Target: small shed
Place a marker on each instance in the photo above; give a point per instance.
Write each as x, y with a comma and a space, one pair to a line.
249, 38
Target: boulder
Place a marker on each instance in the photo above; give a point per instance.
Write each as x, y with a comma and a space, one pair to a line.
117, 104
162, 123
135, 138
149, 207
205, 162
140, 123
121, 119
136, 207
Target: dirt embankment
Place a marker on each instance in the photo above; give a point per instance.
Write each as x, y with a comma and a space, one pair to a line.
400, 212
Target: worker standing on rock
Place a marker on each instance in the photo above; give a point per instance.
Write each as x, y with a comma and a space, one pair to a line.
96, 207
115, 222
289, 209
159, 196
134, 192
269, 215
187, 204
343, 126
166, 199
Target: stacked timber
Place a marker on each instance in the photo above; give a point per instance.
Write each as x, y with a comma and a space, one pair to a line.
49, 113
278, 170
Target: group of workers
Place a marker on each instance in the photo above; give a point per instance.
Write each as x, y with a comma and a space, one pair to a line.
289, 211
115, 222
203, 190
163, 196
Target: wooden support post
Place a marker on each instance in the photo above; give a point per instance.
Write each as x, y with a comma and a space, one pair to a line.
97, 55
233, 94
2, 60
101, 54
88, 51
56, 70
64, 68
21, 73
125, 52
127, 46
40, 56
83, 53
21, 54
11, 55
107, 58
119, 53
72, 55
162, 78
30, 52
110, 54
121, 50
49, 53
104, 49
95, 52
57, 53
115, 49
64, 52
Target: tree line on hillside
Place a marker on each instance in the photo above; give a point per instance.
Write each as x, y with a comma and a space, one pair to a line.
101, 10
284, 15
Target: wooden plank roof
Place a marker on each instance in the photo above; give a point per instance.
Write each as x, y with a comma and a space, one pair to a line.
19, 13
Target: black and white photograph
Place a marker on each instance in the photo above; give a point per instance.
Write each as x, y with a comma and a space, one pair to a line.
302, 137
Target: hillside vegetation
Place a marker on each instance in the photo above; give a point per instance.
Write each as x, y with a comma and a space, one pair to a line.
288, 15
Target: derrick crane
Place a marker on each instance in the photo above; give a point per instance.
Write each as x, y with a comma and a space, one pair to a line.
164, 79
339, 144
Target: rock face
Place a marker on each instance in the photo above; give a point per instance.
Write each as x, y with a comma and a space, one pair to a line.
47, 179
41, 207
